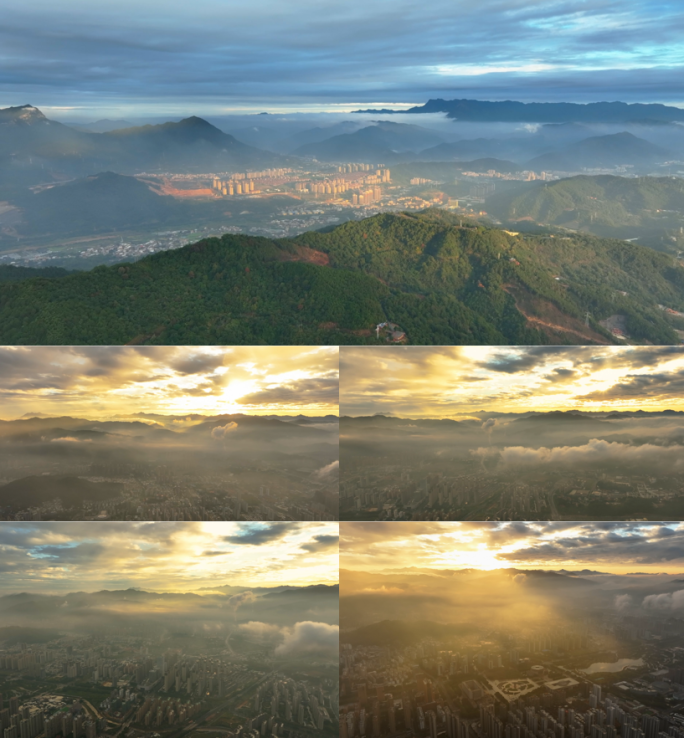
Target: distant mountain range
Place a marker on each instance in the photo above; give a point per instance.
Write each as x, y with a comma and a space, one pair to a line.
383, 142
602, 152
46, 428
517, 112
34, 148
571, 416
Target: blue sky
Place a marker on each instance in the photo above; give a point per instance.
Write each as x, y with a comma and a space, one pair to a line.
154, 57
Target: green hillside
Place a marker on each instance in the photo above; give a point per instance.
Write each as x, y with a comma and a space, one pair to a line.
621, 207
443, 284
11, 273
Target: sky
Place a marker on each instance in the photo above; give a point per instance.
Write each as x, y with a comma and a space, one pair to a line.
65, 557
618, 548
140, 57
105, 382
457, 382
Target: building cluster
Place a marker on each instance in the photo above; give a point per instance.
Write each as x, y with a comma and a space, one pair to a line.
365, 190
48, 717
393, 491
396, 493
164, 492
367, 197
282, 700
242, 183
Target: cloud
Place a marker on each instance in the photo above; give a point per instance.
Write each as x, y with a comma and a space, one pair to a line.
322, 390
221, 431
71, 439
156, 556
670, 601
509, 380
596, 451
333, 466
623, 602
261, 630
161, 381
323, 542
318, 640
259, 535
244, 598
211, 54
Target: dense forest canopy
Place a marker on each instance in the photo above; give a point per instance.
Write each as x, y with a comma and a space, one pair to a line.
442, 280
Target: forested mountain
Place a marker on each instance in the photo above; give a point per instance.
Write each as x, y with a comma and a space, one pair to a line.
441, 281
622, 207
605, 199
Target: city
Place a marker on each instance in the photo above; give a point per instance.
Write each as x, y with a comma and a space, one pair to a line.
207, 434
480, 433
230, 655
274, 203
510, 652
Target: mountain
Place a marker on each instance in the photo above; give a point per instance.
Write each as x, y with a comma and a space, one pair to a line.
517, 112
381, 142
11, 273
35, 149
25, 131
602, 152
604, 204
260, 136
102, 202
477, 148
192, 145
319, 133
442, 281
558, 416
385, 421
33, 491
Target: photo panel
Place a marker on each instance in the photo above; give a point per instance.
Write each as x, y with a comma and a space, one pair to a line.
167, 629
511, 629
512, 433
169, 433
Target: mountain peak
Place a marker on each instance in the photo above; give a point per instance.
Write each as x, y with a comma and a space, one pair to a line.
27, 114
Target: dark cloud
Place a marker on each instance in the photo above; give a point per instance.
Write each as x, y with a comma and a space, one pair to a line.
607, 543
515, 361
657, 385
321, 542
209, 53
258, 535
323, 390
215, 553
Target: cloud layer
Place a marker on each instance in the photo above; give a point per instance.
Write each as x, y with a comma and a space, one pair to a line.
618, 547
451, 382
130, 56
175, 557
96, 382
